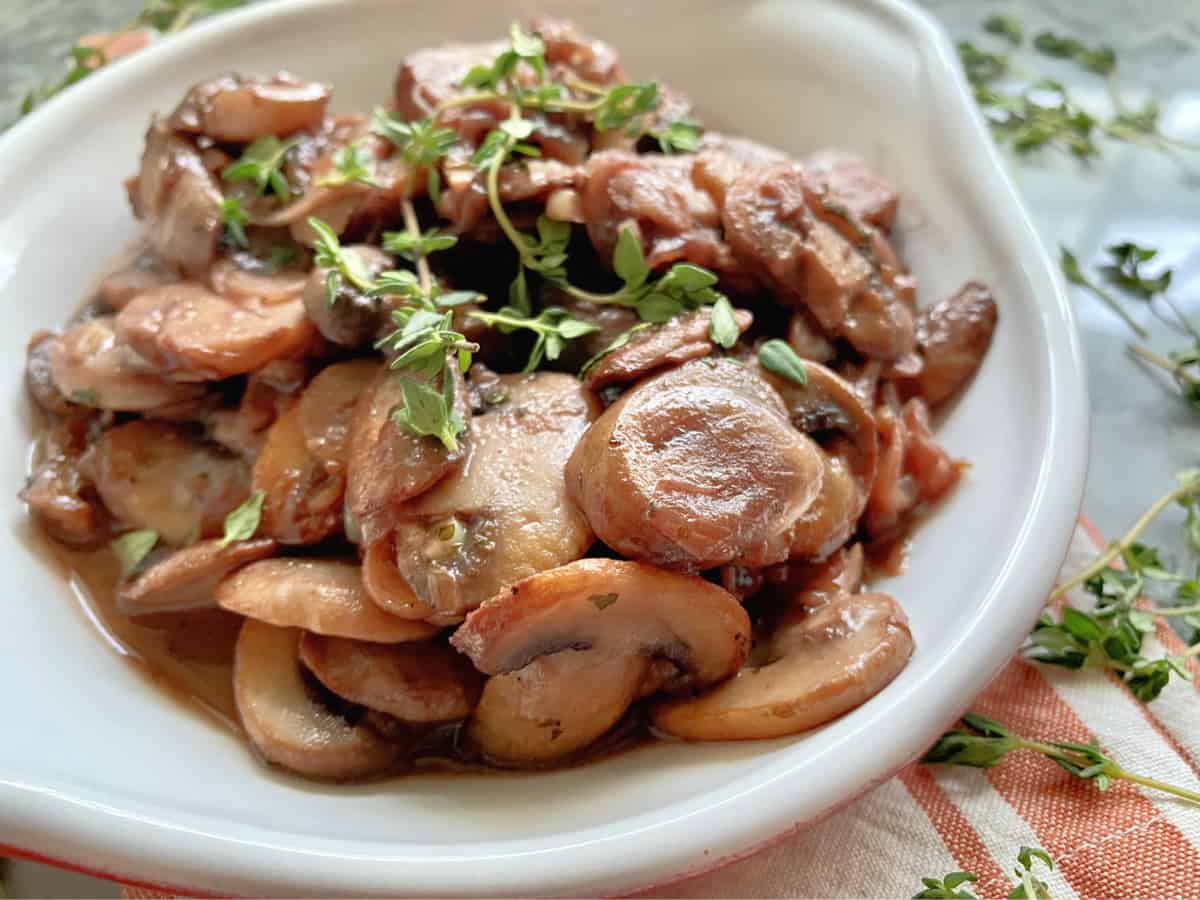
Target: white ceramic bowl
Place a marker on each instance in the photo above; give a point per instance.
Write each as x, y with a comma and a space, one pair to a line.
99, 769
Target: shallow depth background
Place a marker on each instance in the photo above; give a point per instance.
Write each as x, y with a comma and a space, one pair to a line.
1141, 434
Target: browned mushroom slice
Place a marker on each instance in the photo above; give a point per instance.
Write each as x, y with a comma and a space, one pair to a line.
143, 272
695, 468
829, 408
352, 319
244, 429
178, 199
673, 343
320, 595
420, 682
90, 364
821, 665
675, 220
814, 584
303, 497
855, 185
187, 579
914, 469
233, 281
39, 375
156, 475
188, 330
812, 261
60, 499
232, 109
590, 59
327, 405
808, 339
286, 723
953, 337
505, 514
389, 464
618, 607
534, 715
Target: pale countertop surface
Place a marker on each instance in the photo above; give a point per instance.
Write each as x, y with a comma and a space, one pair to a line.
1142, 432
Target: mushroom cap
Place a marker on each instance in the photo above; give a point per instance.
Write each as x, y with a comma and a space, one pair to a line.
155, 475
695, 468
187, 579
303, 497
420, 681
622, 608
287, 725
555, 705
320, 595
505, 514
389, 465
821, 666
327, 406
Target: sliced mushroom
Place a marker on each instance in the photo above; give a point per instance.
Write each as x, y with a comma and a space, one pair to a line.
536, 714
244, 429
820, 665
694, 468
187, 579
234, 282
39, 375
352, 319
389, 464
320, 595
814, 584
187, 330
505, 514
156, 475
232, 109
673, 343
286, 723
178, 199
953, 337
143, 271
421, 682
808, 257
303, 502
327, 406
828, 408
60, 498
618, 607
854, 184
807, 338
91, 364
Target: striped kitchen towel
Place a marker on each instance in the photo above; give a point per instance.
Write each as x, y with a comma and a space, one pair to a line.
931, 820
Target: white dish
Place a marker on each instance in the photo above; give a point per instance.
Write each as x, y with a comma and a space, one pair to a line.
99, 769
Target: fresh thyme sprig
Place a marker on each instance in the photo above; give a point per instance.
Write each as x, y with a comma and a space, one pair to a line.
1042, 114
1125, 271
165, 16
262, 164
1073, 272
1183, 366
343, 266
235, 219
351, 165
243, 522
623, 106
421, 144
554, 326
133, 547
984, 742
1029, 887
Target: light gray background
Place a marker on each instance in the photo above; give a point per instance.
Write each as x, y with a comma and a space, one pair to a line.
1141, 432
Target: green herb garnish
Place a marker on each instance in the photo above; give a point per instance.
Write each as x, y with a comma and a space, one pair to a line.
235, 219
242, 523
262, 164
133, 547
778, 358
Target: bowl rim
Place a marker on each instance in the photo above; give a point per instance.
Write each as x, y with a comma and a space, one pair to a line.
650, 849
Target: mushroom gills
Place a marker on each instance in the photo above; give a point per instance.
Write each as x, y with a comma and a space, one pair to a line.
287, 724
821, 665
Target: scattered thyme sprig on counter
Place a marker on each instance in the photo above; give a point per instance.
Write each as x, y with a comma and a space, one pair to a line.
164, 16
985, 742
1029, 887
1041, 113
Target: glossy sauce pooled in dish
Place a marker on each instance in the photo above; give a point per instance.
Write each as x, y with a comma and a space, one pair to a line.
515, 418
